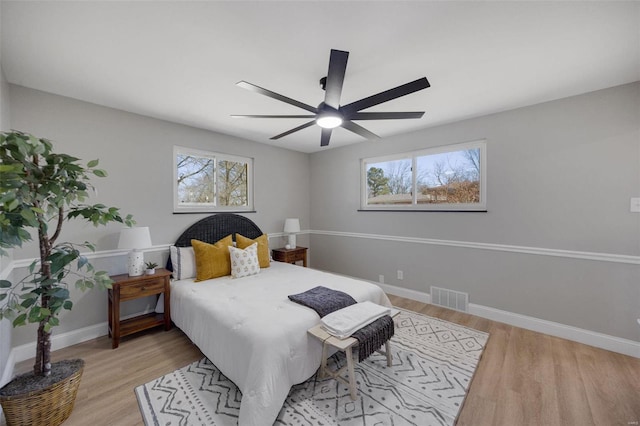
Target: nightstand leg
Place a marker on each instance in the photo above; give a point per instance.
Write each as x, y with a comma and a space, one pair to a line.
115, 334
167, 304
110, 311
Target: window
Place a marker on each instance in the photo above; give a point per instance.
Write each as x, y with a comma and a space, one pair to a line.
450, 178
210, 181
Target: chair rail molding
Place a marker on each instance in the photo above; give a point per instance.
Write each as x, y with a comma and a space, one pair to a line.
541, 251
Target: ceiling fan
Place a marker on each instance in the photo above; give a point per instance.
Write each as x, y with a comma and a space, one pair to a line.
330, 114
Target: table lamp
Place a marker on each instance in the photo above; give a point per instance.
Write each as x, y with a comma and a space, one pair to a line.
291, 226
135, 239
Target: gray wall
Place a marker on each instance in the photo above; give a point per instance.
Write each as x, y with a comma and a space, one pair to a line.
5, 325
137, 153
560, 175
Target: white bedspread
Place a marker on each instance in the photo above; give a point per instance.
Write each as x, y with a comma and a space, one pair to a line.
255, 335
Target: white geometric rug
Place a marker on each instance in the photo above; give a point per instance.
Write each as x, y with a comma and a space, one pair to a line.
433, 364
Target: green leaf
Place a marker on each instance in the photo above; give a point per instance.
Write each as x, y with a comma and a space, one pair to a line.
12, 205
20, 320
92, 163
68, 304
82, 260
34, 314
30, 217
27, 303
100, 173
61, 293
5, 284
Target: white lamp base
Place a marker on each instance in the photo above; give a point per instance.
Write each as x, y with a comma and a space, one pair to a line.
292, 241
136, 263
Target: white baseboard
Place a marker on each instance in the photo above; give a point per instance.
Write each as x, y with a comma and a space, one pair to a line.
592, 338
59, 341
580, 335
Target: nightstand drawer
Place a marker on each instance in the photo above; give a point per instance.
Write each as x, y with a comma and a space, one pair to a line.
290, 255
145, 288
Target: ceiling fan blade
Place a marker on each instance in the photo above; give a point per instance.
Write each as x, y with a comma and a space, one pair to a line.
288, 132
335, 77
385, 115
359, 130
387, 95
272, 116
325, 137
274, 95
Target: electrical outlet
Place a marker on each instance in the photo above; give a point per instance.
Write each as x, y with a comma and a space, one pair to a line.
381, 279
400, 275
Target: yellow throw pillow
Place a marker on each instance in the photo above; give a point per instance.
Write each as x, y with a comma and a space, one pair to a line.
212, 260
263, 248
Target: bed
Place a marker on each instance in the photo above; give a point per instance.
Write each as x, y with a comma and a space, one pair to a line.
249, 328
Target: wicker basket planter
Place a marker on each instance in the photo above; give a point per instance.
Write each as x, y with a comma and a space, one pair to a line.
47, 407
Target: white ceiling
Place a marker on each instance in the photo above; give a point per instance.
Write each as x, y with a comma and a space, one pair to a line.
180, 60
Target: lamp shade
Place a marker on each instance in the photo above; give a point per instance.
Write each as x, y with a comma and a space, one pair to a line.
134, 238
291, 225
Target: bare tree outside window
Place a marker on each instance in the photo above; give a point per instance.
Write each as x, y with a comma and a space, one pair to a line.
232, 183
450, 177
207, 181
196, 179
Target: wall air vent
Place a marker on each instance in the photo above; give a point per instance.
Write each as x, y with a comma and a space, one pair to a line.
450, 299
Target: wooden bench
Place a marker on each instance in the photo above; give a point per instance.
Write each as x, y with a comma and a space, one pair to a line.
345, 345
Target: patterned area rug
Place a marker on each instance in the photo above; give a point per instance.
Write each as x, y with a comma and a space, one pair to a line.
433, 364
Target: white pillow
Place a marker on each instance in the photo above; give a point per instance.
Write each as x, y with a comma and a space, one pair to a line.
183, 261
244, 262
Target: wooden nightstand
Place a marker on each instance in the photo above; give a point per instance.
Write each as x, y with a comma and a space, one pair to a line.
290, 255
126, 288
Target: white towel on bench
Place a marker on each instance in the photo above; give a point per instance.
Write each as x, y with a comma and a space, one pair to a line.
344, 322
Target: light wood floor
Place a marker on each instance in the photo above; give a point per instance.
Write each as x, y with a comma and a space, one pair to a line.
524, 378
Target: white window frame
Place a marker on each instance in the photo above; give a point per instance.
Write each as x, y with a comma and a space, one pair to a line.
413, 155
179, 207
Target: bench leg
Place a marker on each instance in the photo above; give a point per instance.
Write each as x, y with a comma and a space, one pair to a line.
387, 349
352, 375
323, 365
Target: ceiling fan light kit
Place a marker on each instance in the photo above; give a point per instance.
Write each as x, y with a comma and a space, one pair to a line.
330, 114
329, 119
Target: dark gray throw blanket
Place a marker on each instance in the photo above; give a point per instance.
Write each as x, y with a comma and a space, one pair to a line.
325, 300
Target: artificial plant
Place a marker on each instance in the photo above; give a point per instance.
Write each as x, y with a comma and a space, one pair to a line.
40, 190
